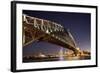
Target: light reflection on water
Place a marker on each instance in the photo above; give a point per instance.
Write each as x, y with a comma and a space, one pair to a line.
61, 58
73, 58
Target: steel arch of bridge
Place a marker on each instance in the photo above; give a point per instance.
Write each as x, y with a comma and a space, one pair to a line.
36, 29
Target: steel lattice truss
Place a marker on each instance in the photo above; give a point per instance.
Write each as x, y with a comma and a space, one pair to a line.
36, 29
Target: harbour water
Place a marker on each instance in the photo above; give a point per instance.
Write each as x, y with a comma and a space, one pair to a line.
32, 59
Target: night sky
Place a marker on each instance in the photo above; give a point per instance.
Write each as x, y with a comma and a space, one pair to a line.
79, 25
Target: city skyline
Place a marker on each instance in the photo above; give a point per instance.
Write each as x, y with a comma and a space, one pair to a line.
78, 24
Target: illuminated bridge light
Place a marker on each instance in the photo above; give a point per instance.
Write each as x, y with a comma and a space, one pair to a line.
42, 27
24, 17
47, 31
56, 37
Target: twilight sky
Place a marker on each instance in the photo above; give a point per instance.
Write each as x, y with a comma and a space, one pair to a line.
79, 25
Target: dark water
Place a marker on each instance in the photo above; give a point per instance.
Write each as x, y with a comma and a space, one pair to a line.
25, 60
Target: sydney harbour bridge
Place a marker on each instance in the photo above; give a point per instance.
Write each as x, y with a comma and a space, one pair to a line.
36, 29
